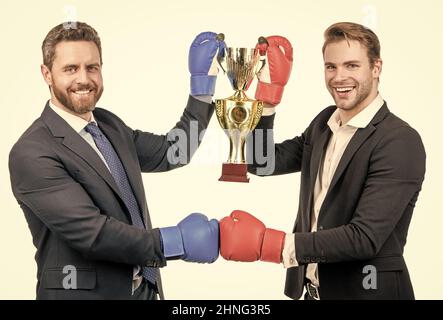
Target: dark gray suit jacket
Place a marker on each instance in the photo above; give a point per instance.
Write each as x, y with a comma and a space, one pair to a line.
366, 213
73, 206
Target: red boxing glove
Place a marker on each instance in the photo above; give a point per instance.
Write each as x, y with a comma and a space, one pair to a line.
275, 74
245, 238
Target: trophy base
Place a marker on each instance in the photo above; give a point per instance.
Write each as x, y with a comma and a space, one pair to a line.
234, 172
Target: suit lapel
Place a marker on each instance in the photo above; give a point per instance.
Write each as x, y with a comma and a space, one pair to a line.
84, 151
74, 142
318, 151
356, 141
319, 148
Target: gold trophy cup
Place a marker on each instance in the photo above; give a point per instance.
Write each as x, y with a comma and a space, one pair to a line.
238, 115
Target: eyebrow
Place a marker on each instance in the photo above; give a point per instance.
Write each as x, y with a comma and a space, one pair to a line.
69, 66
346, 62
93, 65
76, 65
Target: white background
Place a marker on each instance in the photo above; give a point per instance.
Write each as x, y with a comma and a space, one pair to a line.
145, 47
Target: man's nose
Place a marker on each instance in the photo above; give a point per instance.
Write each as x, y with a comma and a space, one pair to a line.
82, 76
340, 74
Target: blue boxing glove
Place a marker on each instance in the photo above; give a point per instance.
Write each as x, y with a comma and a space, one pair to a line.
202, 62
194, 239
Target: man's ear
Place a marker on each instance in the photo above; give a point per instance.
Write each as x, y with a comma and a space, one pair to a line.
376, 70
47, 76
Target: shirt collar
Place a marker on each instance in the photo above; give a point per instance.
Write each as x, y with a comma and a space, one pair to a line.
361, 119
77, 123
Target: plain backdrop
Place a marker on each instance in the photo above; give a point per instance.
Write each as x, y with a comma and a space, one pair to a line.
145, 51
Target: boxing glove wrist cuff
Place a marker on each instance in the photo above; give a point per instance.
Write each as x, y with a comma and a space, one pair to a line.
172, 242
268, 92
272, 246
206, 99
203, 85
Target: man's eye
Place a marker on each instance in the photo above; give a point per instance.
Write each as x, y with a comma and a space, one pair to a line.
70, 69
353, 66
95, 68
330, 67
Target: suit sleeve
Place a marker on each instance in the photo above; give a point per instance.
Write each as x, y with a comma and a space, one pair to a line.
41, 184
395, 176
267, 158
157, 153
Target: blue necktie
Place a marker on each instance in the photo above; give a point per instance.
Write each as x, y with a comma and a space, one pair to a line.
121, 179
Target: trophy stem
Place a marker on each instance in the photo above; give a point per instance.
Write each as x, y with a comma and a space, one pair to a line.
239, 95
237, 143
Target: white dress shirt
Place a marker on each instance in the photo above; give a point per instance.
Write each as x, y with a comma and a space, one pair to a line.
341, 135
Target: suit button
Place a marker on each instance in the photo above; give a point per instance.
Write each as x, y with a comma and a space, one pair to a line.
320, 228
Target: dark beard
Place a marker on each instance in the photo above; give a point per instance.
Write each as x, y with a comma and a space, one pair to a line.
78, 108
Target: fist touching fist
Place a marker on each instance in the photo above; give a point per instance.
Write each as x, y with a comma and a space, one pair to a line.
245, 238
194, 239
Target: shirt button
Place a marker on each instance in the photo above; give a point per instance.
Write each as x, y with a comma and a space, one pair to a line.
291, 261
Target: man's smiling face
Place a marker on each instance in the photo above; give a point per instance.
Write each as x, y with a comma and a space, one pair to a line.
349, 76
75, 77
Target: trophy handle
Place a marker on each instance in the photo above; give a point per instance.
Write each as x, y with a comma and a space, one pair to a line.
262, 64
221, 59
220, 112
257, 115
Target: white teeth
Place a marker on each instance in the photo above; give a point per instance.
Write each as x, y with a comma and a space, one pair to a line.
82, 92
346, 89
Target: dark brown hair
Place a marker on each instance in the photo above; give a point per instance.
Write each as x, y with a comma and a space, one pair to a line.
68, 31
